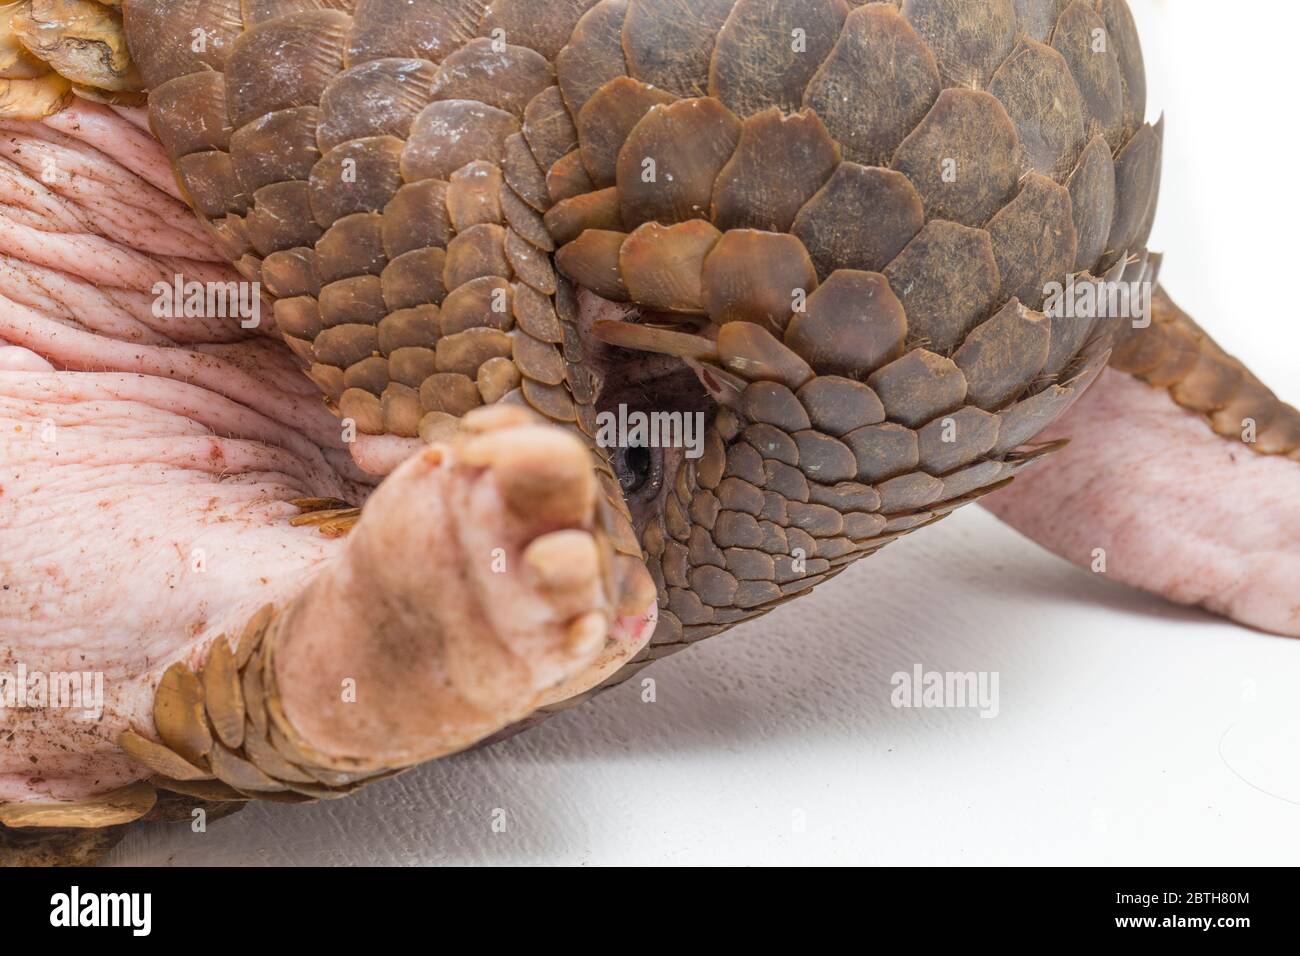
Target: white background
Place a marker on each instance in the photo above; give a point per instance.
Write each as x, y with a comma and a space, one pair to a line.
1130, 732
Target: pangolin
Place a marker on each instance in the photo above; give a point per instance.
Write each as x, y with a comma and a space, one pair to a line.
839, 235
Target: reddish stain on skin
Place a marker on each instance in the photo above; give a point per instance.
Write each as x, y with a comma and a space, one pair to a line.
215, 454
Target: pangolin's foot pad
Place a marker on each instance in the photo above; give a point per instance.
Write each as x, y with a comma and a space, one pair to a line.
478, 584
1147, 494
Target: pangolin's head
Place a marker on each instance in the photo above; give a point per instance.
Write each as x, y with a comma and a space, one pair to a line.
830, 228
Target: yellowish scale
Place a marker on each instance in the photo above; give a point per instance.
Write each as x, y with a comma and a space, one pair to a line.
54, 50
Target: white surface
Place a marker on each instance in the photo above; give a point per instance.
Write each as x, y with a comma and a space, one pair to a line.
1130, 731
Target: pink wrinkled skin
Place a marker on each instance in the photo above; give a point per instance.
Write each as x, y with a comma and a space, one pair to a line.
146, 464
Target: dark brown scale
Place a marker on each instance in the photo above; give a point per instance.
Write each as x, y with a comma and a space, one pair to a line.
1035, 87
778, 165
671, 159
867, 117
962, 159
1034, 240
830, 224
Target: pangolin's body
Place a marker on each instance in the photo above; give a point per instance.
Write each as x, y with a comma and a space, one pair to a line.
845, 224
867, 203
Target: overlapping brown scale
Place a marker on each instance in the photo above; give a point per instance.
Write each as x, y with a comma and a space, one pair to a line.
474, 195
526, 178
536, 314
284, 63
766, 53
291, 272
778, 165
752, 352
1123, 36
1081, 38
352, 301
570, 218
278, 147
969, 40
477, 252
1093, 202
281, 217
592, 261
838, 406
408, 328
947, 279
593, 54
501, 75
450, 393
1034, 240
189, 114
754, 276
1003, 356
1137, 172
210, 181
1149, 218
919, 387
851, 325
416, 218
520, 22
1037, 18
256, 11
411, 366
449, 134
662, 266
165, 38
548, 127
344, 345
671, 159
956, 440
427, 31
668, 43
883, 451
608, 118
836, 234
568, 178
1039, 94
414, 278
553, 401
377, 98
1027, 418
358, 176
530, 263
355, 300
496, 378
481, 303
537, 360
352, 246
369, 375
869, 118
298, 316
179, 716
963, 158
364, 409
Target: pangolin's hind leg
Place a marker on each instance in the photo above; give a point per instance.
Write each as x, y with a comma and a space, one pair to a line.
1182, 475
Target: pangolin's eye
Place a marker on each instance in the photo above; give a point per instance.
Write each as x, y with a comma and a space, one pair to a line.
639, 470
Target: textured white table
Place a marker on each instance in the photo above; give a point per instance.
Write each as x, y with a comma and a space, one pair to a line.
1130, 731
